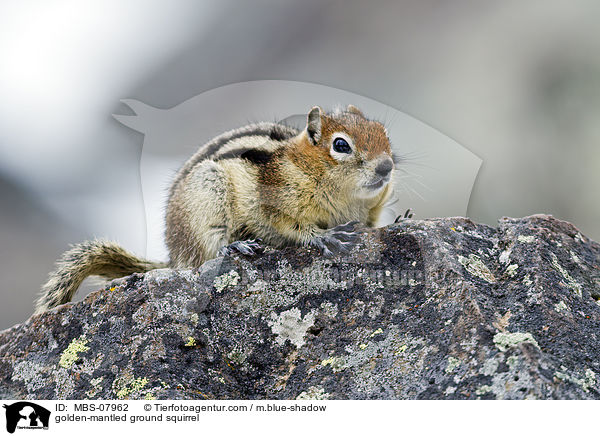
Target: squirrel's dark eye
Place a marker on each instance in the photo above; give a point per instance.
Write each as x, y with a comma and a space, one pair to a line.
341, 145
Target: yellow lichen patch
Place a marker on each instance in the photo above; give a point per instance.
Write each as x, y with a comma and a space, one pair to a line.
571, 282
313, 393
504, 340
377, 332
132, 387
96, 387
586, 382
529, 239
560, 306
336, 363
511, 270
475, 266
482, 390
226, 280
69, 356
401, 349
453, 363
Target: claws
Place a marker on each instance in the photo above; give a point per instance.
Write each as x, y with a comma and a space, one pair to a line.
338, 240
348, 227
247, 248
407, 215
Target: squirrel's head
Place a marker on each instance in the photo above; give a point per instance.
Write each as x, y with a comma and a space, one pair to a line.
353, 149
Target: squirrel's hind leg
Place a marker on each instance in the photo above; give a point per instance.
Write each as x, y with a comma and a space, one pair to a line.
198, 216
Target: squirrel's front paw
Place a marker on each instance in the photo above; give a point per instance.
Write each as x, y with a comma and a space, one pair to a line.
247, 248
338, 240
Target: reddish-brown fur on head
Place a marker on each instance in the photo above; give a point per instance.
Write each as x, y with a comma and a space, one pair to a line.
360, 165
369, 137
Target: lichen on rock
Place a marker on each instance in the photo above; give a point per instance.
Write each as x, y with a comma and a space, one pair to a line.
423, 309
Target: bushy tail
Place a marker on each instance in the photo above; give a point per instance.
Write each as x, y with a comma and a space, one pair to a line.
90, 258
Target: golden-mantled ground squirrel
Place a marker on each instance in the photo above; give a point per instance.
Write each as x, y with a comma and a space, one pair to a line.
266, 182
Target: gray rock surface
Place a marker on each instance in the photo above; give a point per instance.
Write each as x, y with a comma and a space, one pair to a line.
432, 309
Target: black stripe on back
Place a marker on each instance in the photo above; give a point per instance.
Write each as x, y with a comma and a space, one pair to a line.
256, 156
272, 130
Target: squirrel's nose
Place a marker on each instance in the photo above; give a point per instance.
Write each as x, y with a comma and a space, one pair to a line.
384, 168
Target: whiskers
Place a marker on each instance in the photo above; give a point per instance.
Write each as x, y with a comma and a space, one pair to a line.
409, 181
406, 180
411, 158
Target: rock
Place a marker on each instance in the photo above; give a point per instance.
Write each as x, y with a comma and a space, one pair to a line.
423, 309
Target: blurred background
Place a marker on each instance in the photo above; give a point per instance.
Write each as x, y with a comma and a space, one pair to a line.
516, 83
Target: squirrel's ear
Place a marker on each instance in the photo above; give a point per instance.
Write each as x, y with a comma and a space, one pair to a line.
354, 110
313, 126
